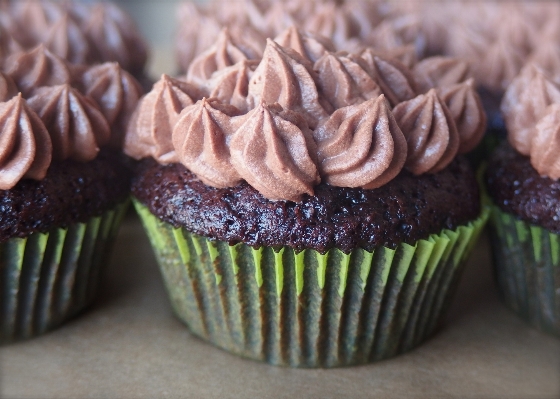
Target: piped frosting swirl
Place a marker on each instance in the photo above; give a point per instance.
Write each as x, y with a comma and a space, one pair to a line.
25, 144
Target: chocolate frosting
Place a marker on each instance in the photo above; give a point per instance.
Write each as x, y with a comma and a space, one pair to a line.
396, 82
115, 37
8, 88
361, 146
343, 81
466, 108
272, 151
545, 144
77, 128
231, 85
305, 44
151, 126
430, 133
201, 137
116, 93
223, 54
525, 102
435, 72
285, 77
35, 68
25, 145
65, 39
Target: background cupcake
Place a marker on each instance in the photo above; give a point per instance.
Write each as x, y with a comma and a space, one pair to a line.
64, 184
274, 194
522, 180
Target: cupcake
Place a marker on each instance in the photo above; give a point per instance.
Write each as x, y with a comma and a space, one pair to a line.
64, 185
308, 208
522, 182
82, 34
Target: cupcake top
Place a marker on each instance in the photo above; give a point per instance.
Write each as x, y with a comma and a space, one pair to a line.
51, 111
531, 108
300, 115
77, 32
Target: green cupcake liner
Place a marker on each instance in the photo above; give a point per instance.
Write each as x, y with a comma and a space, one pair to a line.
309, 309
46, 278
527, 266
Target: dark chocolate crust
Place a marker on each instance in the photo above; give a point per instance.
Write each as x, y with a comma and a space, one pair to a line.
405, 210
517, 188
71, 192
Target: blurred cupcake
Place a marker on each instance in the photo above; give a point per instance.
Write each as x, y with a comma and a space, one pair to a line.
522, 181
64, 185
82, 34
307, 208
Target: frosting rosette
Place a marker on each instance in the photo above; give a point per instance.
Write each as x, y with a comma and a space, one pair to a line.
545, 144
201, 137
25, 144
360, 146
151, 126
525, 102
272, 151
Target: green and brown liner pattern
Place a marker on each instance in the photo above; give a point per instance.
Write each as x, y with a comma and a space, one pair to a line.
46, 278
527, 263
309, 309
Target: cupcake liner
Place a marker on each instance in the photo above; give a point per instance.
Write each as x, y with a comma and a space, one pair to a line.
46, 278
309, 309
527, 266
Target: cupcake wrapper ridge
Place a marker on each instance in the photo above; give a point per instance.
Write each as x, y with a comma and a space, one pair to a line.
46, 278
527, 265
307, 309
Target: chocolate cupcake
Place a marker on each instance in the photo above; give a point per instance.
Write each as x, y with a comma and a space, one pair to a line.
82, 34
522, 181
64, 185
307, 208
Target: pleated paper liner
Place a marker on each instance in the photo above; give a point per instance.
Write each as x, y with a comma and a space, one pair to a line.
307, 309
46, 278
527, 265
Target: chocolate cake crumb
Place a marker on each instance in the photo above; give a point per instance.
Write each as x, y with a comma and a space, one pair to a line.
406, 209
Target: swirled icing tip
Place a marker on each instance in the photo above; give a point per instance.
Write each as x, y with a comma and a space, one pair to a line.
466, 108
430, 131
76, 126
270, 151
25, 144
525, 102
36, 68
361, 145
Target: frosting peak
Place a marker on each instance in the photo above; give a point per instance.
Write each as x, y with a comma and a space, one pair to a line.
151, 126
343, 81
430, 133
525, 102
271, 151
25, 145
77, 128
361, 145
201, 137
307, 45
285, 77
223, 54
35, 68
116, 93
435, 72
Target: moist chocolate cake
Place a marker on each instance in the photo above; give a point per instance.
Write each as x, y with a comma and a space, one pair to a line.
71, 192
406, 209
517, 188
